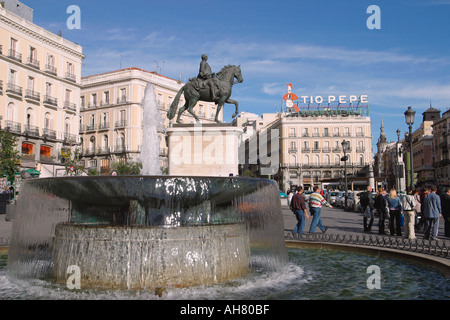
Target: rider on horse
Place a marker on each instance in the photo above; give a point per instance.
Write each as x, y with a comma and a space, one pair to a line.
206, 77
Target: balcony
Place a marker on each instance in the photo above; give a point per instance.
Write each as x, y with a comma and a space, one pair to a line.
120, 149
51, 69
360, 134
13, 54
12, 88
69, 106
69, 138
49, 133
337, 149
292, 150
91, 127
122, 100
306, 150
105, 102
305, 134
360, 149
316, 150
31, 130
89, 152
120, 124
336, 134
50, 101
71, 77
12, 126
326, 149
103, 126
33, 95
33, 63
103, 150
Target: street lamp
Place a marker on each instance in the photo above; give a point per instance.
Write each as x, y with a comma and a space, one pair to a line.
345, 145
409, 117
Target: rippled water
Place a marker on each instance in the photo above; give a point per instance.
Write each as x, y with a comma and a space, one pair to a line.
310, 274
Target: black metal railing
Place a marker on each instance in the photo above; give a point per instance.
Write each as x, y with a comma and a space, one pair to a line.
431, 247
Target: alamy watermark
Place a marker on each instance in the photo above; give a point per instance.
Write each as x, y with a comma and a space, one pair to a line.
74, 20
374, 21
374, 280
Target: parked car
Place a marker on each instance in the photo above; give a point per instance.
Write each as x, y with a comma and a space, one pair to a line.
340, 201
282, 194
332, 196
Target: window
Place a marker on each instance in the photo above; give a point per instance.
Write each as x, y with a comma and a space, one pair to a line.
68, 95
316, 160
361, 160
94, 99
10, 112
291, 132
315, 132
346, 132
316, 145
123, 95
327, 160
31, 82
45, 152
48, 121
83, 101
336, 132
306, 160
48, 89
325, 132
12, 77
27, 148
359, 132
305, 132
106, 98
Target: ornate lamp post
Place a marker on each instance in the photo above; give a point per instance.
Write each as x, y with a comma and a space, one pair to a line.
409, 117
345, 145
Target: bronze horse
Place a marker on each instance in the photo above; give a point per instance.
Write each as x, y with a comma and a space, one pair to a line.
224, 80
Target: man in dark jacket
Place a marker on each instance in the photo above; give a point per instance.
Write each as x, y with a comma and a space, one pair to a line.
299, 208
366, 200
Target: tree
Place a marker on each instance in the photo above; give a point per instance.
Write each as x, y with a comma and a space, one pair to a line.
125, 168
72, 163
9, 156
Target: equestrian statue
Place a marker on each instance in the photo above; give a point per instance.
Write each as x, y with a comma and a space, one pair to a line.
207, 87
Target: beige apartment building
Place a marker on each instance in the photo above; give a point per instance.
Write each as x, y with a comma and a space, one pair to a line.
111, 115
310, 150
40, 85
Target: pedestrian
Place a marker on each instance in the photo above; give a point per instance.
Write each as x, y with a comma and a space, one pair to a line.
445, 204
418, 210
432, 211
408, 204
367, 201
381, 205
315, 205
395, 211
289, 197
299, 208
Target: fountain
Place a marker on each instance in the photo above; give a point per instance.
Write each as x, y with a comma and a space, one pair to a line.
146, 232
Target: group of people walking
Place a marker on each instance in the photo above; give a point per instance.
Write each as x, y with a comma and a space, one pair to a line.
298, 206
419, 211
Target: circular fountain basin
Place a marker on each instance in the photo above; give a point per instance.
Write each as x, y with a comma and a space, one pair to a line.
143, 232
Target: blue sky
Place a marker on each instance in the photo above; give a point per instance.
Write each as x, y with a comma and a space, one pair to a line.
322, 47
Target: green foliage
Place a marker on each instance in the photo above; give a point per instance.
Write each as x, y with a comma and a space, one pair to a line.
73, 164
9, 156
125, 168
248, 173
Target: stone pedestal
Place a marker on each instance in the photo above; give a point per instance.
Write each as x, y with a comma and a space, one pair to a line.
209, 150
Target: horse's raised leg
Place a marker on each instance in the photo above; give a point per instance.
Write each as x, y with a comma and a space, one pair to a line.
231, 101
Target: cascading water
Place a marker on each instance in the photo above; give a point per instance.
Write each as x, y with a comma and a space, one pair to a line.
150, 140
150, 231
